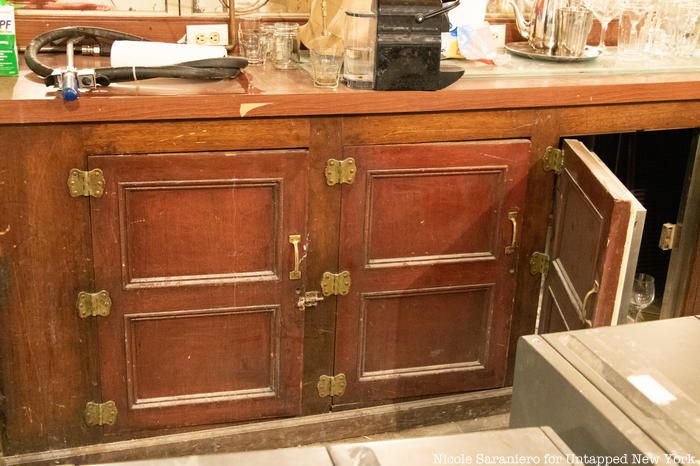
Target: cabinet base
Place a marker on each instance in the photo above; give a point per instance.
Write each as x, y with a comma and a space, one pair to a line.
285, 432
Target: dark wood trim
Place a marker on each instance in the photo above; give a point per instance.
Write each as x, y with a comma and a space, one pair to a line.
286, 432
326, 142
540, 195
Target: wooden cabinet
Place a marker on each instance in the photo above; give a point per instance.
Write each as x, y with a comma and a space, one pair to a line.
203, 257
194, 251
429, 235
194, 241
595, 241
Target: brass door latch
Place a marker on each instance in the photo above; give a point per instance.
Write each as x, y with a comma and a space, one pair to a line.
309, 299
332, 284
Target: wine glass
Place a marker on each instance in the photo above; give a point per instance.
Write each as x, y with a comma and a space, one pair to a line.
604, 11
643, 291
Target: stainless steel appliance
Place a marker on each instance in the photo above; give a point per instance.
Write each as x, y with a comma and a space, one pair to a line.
622, 391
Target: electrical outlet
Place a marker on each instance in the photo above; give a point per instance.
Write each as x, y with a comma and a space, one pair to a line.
207, 34
499, 35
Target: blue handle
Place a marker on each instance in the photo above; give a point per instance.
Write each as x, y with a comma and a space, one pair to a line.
70, 86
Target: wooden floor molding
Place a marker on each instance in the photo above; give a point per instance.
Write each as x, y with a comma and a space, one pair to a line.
284, 432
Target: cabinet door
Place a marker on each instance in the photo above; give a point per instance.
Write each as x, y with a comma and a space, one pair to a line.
595, 242
195, 252
426, 236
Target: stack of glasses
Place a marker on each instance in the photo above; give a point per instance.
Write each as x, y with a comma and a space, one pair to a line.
663, 28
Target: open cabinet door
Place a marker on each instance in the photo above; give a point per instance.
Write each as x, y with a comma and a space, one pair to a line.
594, 245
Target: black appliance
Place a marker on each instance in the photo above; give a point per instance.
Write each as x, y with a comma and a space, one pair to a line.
408, 45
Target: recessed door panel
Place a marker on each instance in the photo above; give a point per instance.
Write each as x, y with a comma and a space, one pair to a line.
185, 357
397, 339
229, 232
194, 251
430, 233
597, 230
426, 231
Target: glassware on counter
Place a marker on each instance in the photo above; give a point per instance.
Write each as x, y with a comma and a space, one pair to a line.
250, 39
268, 31
674, 31
573, 25
686, 38
634, 21
604, 11
285, 46
325, 66
360, 38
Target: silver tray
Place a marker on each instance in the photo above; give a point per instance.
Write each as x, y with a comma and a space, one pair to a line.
523, 49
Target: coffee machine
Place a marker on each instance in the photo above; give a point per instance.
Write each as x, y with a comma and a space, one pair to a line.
407, 55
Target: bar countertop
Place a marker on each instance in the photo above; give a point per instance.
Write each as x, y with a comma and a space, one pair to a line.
262, 91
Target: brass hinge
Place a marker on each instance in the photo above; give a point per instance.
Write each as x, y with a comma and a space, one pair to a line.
539, 263
100, 414
94, 304
340, 171
553, 160
331, 385
309, 299
668, 236
86, 183
335, 283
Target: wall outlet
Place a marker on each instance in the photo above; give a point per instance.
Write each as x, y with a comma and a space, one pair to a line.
498, 31
207, 34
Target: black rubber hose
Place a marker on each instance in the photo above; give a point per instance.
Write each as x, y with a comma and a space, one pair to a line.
212, 69
32, 51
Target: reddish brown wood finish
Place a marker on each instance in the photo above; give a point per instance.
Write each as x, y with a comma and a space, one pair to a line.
194, 251
588, 241
45, 261
423, 232
321, 247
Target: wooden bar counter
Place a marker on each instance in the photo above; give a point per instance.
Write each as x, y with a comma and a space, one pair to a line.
192, 267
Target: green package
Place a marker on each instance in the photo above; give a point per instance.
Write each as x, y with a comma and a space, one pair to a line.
8, 43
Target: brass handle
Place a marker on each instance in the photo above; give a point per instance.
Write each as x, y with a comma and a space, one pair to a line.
513, 217
296, 273
583, 314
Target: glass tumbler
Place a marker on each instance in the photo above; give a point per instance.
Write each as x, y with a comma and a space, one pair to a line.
285, 47
325, 66
360, 39
268, 31
250, 39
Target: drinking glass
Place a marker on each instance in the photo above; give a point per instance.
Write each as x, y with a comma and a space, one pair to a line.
634, 16
285, 45
250, 39
663, 34
604, 11
325, 66
686, 39
360, 37
643, 291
